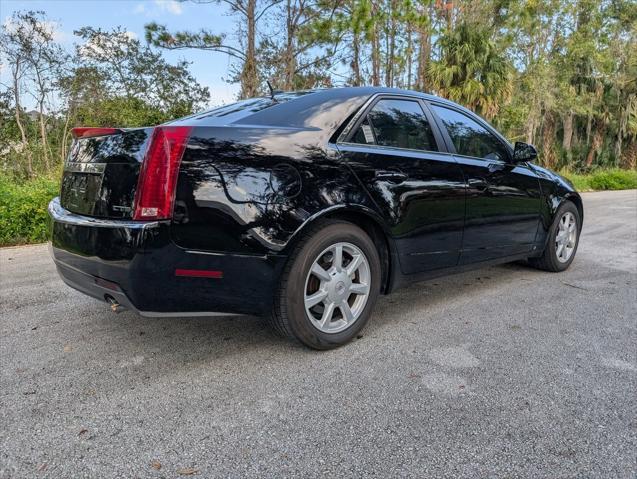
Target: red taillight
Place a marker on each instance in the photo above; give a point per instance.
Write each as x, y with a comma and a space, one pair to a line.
158, 176
88, 132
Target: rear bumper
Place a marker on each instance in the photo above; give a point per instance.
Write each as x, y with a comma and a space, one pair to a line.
136, 263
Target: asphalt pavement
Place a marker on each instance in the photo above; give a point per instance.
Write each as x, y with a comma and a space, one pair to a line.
500, 372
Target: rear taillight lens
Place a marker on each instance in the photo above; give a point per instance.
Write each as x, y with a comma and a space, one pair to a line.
88, 132
158, 176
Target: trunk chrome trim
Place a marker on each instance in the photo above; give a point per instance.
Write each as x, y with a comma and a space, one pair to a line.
62, 215
78, 167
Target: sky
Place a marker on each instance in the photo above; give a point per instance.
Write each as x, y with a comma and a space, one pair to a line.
209, 68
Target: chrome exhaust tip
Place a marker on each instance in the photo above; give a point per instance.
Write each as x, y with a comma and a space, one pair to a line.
115, 306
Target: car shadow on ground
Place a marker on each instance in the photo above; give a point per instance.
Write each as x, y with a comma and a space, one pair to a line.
196, 338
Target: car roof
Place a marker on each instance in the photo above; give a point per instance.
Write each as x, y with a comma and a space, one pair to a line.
317, 109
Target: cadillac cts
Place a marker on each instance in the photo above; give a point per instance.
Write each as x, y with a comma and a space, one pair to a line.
302, 207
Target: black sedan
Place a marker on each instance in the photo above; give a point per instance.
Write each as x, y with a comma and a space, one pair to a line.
302, 207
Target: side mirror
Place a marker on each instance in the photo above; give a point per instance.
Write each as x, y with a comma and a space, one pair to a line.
523, 152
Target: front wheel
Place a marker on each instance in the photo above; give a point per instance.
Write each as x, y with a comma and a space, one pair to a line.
563, 240
329, 287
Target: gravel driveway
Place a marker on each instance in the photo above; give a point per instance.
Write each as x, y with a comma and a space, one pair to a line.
501, 372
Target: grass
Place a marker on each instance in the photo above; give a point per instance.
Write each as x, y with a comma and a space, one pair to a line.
24, 217
613, 179
23, 209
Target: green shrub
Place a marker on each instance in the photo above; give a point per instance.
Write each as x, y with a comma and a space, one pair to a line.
614, 179
23, 209
580, 182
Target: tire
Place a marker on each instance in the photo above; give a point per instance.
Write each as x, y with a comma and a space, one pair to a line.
318, 247
549, 261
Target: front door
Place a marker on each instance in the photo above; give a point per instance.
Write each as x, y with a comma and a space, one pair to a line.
416, 188
503, 198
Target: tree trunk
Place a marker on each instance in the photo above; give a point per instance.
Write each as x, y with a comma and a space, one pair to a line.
375, 44
567, 124
424, 53
249, 76
629, 156
356, 68
409, 54
290, 63
530, 125
598, 138
23, 135
45, 145
391, 46
65, 135
548, 140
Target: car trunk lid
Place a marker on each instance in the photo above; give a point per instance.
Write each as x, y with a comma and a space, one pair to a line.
123, 173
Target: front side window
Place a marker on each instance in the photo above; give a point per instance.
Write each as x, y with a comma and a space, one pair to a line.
396, 123
469, 137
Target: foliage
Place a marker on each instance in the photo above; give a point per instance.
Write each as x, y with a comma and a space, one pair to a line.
112, 80
561, 74
471, 70
611, 179
23, 209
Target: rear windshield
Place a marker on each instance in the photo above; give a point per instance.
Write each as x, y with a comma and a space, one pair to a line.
243, 107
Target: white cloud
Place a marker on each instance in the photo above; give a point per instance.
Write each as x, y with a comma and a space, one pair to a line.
51, 27
170, 6
139, 8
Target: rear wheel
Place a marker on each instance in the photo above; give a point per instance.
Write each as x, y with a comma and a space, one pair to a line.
329, 287
563, 240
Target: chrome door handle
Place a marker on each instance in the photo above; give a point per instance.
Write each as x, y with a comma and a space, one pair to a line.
493, 167
391, 176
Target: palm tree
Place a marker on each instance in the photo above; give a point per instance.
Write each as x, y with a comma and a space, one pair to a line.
471, 70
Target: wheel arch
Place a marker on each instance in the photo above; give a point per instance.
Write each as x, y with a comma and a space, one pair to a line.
368, 221
577, 200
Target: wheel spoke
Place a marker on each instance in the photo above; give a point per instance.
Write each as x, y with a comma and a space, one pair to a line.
359, 288
343, 274
320, 273
314, 299
338, 257
353, 265
327, 314
346, 311
566, 237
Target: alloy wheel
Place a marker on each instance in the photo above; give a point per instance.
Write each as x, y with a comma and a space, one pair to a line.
337, 287
566, 237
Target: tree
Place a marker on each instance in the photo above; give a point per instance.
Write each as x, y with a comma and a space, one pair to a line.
471, 70
250, 12
114, 64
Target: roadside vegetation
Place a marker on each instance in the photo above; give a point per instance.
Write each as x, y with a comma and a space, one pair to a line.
560, 74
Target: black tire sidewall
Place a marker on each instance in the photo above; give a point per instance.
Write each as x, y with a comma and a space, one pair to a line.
301, 326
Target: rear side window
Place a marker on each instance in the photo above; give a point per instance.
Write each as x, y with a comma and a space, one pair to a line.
396, 123
469, 137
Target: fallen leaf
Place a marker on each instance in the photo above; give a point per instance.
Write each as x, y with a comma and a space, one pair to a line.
187, 471
82, 431
68, 349
155, 465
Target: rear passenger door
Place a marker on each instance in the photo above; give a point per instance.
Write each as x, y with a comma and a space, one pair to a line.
503, 198
394, 148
